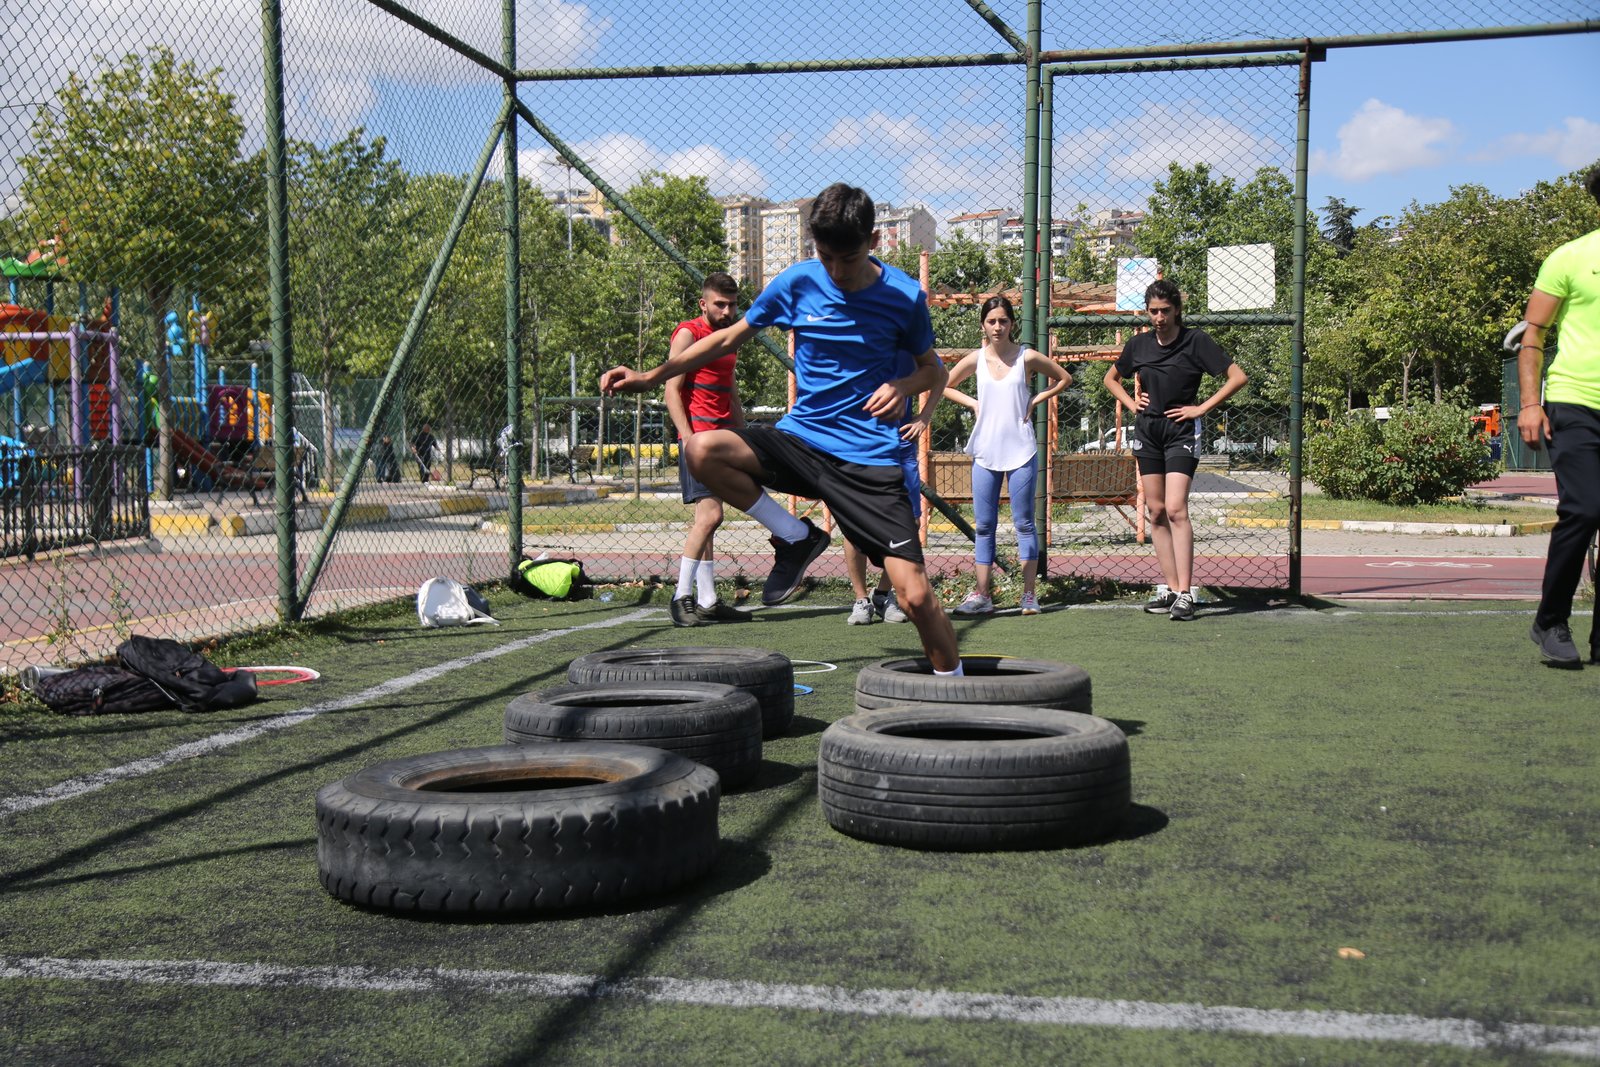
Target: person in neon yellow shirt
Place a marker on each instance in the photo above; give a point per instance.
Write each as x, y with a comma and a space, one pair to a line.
1566, 295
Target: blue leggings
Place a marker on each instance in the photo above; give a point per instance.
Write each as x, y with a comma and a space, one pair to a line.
986, 509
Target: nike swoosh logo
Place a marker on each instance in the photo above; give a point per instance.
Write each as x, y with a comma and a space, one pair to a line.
818, 318
897, 544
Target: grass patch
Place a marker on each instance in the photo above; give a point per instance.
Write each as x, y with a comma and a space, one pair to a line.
1327, 508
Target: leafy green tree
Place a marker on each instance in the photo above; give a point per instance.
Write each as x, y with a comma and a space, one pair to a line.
137, 173
1339, 225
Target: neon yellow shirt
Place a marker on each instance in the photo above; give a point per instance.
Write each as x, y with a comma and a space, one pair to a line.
1572, 272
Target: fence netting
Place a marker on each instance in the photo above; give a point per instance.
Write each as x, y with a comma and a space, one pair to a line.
138, 465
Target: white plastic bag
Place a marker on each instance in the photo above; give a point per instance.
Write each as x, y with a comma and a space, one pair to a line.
446, 602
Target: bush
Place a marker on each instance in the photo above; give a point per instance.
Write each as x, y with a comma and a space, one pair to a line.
1421, 455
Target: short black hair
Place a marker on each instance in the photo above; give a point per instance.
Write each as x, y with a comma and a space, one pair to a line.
719, 281
1165, 289
1591, 182
842, 217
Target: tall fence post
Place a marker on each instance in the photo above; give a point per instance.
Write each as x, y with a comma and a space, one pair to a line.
290, 605
1297, 347
514, 449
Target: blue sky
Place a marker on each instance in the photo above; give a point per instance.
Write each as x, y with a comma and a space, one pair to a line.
1390, 124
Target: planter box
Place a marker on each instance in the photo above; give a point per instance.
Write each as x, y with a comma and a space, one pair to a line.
950, 475
1098, 479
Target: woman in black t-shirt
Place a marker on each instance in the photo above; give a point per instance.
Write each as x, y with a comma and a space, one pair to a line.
1169, 362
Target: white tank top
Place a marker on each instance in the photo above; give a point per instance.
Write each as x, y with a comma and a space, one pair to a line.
1002, 438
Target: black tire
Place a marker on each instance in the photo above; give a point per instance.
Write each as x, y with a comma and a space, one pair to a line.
433, 833
709, 723
767, 676
987, 680
969, 777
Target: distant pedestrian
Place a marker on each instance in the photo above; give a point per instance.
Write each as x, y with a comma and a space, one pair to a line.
1169, 362
1566, 295
423, 447
1003, 446
387, 464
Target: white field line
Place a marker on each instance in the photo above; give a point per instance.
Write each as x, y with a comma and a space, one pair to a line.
894, 1003
89, 783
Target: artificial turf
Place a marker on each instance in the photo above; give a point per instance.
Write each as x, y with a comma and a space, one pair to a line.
1403, 782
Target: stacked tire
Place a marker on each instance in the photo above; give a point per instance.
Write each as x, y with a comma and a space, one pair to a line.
1005, 757
767, 676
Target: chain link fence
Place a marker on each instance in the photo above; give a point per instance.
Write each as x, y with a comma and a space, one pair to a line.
160, 473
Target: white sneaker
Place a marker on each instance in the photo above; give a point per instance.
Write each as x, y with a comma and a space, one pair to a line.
860, 613
975, 605
1030, 604
890, 610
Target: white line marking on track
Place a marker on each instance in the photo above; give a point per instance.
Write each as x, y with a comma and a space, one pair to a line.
903, 1003
89, 783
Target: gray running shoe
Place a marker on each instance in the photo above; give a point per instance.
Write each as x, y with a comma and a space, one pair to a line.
1182, 609
682, 610
975, 605
1555, 645
790, 561
890, 610
1161, 602
860, 613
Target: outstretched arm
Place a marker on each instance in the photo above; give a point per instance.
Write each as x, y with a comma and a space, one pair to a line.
627, 380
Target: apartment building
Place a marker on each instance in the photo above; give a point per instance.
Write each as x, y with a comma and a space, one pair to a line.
785, 237
742, 235
906, 227
980, 227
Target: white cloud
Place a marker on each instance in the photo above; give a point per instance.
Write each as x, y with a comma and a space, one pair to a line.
1575, 144
878, 131
1382, 139
1141, 149
783, 139
621, 159
934, 177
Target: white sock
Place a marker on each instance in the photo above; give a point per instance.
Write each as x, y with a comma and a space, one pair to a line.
686, 574
1161, 587
705, 582
959, 672
776, 518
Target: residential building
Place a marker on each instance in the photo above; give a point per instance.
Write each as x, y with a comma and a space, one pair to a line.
1062, 233
906, 227
1111, 232
742, 235
785, 237
980, 227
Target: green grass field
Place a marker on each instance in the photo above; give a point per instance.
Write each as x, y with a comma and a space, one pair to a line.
1407, 782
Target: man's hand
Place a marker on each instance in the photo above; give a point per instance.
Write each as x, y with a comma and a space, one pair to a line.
623, 380
1535, 428
886, 402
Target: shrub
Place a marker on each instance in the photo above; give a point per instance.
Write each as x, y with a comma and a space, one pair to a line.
1421, 455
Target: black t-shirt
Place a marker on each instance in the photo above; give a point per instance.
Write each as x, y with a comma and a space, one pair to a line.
1170, 374
424, 445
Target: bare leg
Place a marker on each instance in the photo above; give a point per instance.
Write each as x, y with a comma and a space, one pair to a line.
1155, 502
1181, 530
914, 593
726, 465
703, 528
855, 564
1030, 572
984, 573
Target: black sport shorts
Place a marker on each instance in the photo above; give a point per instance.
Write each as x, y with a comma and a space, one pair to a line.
1164, 446
869, 502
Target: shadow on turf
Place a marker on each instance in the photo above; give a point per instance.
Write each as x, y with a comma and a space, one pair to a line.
159, 865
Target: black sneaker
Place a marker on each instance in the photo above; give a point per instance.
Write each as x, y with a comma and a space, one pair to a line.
1555, 645
720, 612
1182, 609
683, 612
789, 563
1161, 602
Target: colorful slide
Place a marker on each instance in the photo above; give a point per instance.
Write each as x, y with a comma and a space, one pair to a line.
217, 470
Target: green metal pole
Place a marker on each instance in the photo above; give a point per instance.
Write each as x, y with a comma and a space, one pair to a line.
1030, 177
1318, 44
1297, 350
402, 358
514, 449
290, 606
999, 25
1199, 318
803, 66
449, 40
1041, 338
1156, 66
631, 213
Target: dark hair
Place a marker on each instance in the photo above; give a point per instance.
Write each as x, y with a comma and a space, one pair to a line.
720, 282
1591, 182
1000, 301
842, 217
1165, 289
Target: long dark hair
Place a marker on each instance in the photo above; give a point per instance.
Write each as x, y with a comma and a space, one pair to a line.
1000, 301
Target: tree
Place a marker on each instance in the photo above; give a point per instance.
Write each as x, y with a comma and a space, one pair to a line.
1339, 225
137, 173
1180, 223
347, 209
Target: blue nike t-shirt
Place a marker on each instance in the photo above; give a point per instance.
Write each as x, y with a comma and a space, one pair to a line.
846, 346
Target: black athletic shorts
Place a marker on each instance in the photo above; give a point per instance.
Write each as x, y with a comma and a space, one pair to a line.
869, 502
1163, 446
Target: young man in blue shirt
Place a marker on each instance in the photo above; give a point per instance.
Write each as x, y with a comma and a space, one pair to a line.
851, 314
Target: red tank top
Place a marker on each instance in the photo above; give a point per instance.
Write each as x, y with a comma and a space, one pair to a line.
708, 391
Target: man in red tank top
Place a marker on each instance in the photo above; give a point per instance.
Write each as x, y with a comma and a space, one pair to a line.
703, 399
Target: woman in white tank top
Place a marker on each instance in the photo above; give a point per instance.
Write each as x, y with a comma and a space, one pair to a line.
1002, 446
